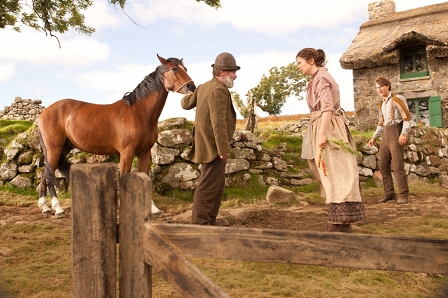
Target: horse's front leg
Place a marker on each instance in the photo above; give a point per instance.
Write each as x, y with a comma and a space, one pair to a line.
43, 198
143, 166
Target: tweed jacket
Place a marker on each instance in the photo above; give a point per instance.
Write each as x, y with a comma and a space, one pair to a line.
214, 123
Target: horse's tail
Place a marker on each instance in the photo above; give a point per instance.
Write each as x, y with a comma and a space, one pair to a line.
63, 165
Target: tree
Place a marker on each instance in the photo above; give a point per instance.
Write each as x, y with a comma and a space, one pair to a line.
271, 93
248, 111
55, 16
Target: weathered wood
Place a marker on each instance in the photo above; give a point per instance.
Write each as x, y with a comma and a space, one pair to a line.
164, 246
135, 210
187, 279
94, 233
398, 253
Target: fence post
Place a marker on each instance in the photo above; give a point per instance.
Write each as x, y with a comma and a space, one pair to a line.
94, 232
135, 211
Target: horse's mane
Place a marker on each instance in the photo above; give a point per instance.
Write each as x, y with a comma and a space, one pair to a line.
151, 83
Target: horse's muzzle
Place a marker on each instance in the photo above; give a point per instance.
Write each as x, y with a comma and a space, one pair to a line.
191, 86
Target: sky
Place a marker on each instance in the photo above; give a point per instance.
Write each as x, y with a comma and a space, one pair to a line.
102, 67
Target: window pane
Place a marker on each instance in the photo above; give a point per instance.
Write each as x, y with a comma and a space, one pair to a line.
423, 112
411, 106
408, 66
419, 110
420, 62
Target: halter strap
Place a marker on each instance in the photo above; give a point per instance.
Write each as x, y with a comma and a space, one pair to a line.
177, 90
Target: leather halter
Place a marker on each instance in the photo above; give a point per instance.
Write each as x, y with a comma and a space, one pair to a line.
177, 90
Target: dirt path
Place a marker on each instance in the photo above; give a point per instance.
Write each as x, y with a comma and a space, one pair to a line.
298, 217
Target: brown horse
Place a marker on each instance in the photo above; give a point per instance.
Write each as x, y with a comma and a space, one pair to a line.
126, 128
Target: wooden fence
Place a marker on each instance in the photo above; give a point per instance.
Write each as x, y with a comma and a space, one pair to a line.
100, 237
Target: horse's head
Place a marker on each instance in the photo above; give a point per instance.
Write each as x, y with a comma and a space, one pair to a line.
175, 77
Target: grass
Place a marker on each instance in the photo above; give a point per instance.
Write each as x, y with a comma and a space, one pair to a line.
44, 254
24, 197
9, 129
39, 264
291, 148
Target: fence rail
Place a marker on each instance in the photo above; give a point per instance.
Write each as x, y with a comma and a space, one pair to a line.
165, 247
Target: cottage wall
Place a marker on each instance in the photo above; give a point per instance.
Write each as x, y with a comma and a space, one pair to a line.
366, 97
438, 68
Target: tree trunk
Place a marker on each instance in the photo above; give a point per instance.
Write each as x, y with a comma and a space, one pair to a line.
251, 119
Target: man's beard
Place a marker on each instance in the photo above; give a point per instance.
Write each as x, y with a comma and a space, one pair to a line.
228, 82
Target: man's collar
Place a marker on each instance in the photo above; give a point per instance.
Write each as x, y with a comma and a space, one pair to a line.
386, 99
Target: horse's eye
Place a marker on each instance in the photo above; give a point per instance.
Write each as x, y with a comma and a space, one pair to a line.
173, 69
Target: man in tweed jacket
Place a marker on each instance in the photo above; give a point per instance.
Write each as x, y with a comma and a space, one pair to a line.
214, 126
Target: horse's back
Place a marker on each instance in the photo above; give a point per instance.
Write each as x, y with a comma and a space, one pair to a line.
66, 109
60, 110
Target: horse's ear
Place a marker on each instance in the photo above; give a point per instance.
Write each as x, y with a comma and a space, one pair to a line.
161, 59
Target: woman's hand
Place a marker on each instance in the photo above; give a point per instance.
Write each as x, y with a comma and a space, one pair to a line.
322, 142
324, 124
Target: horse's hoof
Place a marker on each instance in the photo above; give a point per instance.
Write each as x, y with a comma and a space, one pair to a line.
47, 213
60, 214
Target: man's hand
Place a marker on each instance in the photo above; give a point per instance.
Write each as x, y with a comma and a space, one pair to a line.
225, 156
402, 140
371, 142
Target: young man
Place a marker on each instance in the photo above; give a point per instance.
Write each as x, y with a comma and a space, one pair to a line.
394, 126
214, 126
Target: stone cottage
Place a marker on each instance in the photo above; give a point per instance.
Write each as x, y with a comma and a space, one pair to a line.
410, 48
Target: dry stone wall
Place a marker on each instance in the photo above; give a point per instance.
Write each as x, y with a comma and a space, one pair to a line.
22, 109
426, 158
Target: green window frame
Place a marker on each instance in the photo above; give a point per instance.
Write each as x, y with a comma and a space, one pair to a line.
413, 63
426, 111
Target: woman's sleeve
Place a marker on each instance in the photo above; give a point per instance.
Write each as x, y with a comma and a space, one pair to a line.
324, 94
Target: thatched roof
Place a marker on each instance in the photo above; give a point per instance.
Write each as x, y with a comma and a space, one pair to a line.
379, 41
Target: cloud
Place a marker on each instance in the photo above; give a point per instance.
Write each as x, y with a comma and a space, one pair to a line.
125, 78
33, 47
100, 16
274, 18
344, 78
401, 5
177, 30
115, 82
280, 17
7, 70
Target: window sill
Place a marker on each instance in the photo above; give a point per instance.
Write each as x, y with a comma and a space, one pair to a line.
415, 79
